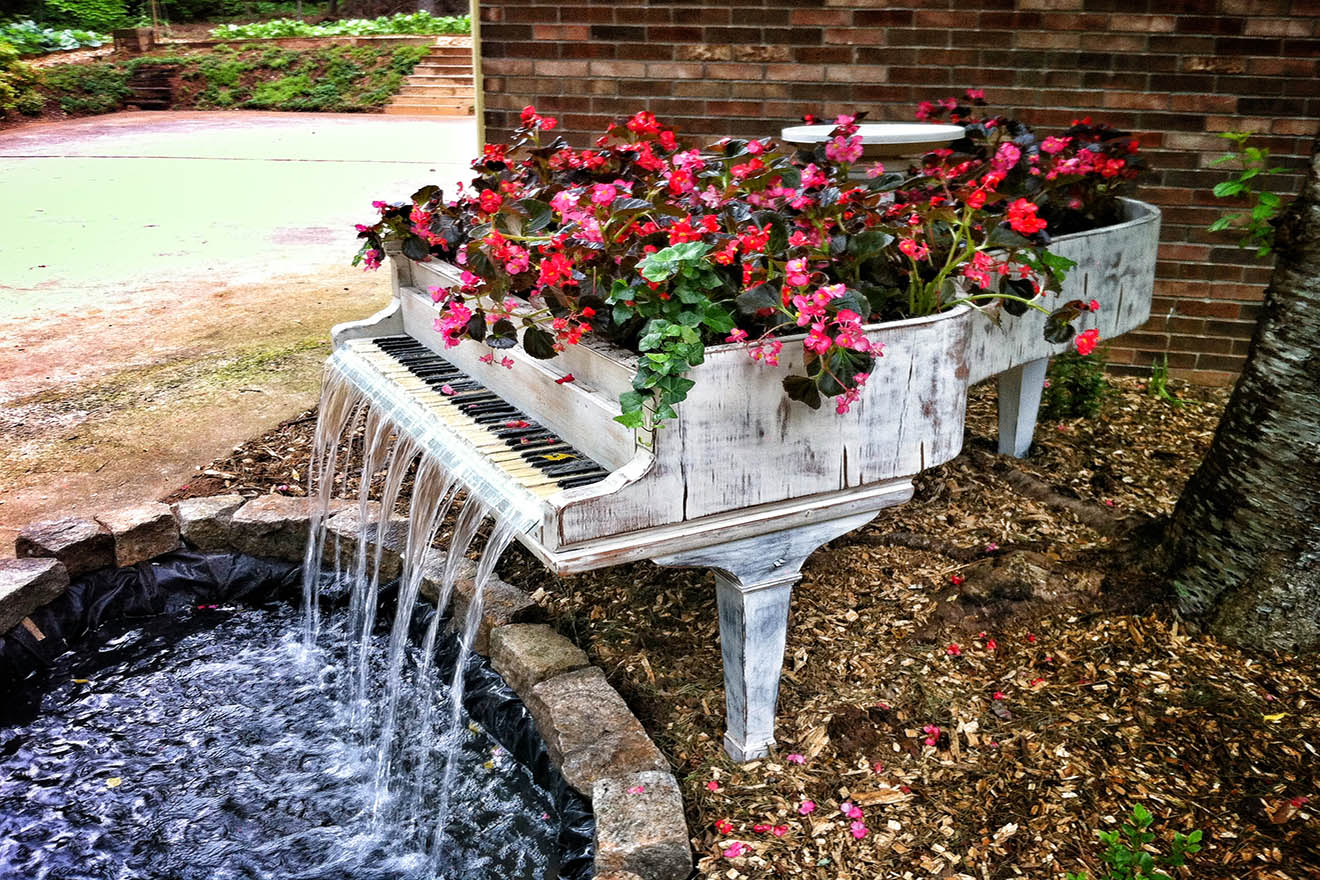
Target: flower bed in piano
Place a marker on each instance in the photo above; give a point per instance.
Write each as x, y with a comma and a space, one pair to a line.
667, 250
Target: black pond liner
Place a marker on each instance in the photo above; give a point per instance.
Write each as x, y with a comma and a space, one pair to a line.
179, 582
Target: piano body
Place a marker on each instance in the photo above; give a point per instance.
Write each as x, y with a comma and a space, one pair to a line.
1115, 267
744, 481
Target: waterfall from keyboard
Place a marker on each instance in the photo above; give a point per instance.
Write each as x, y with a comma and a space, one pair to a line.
358, 438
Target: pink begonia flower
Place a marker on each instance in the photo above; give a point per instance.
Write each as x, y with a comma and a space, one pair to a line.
736, 850
877, 768
712, 786
851, 810
779, 830
858, 829
795, 758
738, 335
876, 169
807, 808
760, 828
724, 826
637, 789
998, 695
953, 651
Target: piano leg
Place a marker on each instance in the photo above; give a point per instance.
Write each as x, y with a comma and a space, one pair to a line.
754, 580
1019, 404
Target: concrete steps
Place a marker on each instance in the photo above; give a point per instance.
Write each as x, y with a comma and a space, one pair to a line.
441, 85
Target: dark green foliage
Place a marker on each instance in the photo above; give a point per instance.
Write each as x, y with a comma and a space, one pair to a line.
1076, 387
1128, 851
93, 15
338, 78
88, 88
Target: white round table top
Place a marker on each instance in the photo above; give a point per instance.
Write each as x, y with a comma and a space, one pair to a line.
895, 133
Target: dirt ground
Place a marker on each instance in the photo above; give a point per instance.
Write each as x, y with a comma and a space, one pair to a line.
986, 676
125, 407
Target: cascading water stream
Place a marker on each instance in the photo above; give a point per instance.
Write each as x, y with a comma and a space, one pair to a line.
355, 439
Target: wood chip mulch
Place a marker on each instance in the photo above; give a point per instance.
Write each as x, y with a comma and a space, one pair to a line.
983, 732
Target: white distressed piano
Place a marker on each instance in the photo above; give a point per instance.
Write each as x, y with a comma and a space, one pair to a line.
744, 481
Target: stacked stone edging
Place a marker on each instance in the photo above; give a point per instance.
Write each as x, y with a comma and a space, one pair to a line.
597, 743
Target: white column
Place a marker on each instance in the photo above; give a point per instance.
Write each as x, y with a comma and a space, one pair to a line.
1019, 404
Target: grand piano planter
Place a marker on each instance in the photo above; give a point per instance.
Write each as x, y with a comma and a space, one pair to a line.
744, 481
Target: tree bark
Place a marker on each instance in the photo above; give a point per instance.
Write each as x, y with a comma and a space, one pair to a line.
1243, 546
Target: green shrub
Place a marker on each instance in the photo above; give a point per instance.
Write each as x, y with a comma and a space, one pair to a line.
89, 88
93, 15
17, 84
1076, 386
406, 59
403, 23
30, 38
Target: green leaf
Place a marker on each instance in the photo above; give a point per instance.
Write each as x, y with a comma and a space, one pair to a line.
762, 296
630, 419
802, 389
1003, 236
539, 214
415, 248
502, 335
717, 318
1227, 189
1221, 224
538, 343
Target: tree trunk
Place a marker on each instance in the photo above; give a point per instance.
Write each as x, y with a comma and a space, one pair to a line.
1244, 544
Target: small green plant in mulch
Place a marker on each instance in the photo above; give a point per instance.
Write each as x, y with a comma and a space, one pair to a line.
1076, 387
1128, 851
336, 78
1157, 386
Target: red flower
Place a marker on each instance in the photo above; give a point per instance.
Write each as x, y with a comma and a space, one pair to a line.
1022, 217
491, 201
1086, 341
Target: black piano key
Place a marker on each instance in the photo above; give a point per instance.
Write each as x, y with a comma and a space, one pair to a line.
583, 479
536, 444
569, 468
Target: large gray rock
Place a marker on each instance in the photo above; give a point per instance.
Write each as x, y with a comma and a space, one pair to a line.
26, 585
588, 729
81, 544
501, 604
275, 526
640, 826
527, 654
204, 522
347, 526
141, 532
433, 574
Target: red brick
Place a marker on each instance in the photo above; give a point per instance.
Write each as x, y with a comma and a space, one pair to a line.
824, 17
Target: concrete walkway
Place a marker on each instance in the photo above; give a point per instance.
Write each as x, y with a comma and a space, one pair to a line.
167, 281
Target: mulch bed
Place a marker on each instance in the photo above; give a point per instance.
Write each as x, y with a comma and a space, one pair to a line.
987, 672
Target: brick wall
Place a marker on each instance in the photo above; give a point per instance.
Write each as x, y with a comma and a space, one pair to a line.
1175, 72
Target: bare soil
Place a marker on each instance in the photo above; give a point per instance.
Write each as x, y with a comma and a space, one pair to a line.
119, 405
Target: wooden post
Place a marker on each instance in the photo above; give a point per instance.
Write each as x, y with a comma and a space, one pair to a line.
754, 580
1019, 404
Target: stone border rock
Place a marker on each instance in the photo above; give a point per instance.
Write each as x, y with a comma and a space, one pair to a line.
597, 743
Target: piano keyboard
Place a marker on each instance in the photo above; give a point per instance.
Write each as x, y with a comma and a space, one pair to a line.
523, 450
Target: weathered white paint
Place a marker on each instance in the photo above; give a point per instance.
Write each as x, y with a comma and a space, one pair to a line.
1019, 402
